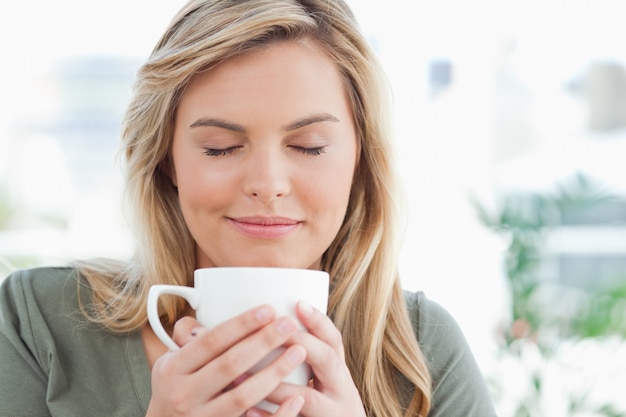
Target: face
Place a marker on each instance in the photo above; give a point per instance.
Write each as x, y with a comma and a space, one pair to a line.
264, 153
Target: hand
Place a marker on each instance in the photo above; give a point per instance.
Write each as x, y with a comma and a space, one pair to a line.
207, 376
332, 392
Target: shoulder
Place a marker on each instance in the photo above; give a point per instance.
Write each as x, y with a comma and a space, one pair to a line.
40, 280
40, 308
428, 317
50, 289
449, 360
438, 334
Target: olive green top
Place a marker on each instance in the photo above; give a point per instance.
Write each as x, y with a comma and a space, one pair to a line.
55, 363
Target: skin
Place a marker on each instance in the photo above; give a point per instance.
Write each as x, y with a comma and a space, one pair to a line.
263, 157
263, 154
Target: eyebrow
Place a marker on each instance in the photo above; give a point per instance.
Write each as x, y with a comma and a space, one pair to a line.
309, 120
208, 122
316, 118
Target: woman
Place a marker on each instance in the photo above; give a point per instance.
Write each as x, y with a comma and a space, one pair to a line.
256, 136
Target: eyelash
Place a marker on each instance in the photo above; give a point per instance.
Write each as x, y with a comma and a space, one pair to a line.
219, 152
223, 152
311, 151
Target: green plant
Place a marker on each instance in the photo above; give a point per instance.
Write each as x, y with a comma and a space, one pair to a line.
603, 313
523, 220
6, 208
537, 322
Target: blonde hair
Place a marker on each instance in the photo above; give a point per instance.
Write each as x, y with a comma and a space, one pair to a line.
366, 299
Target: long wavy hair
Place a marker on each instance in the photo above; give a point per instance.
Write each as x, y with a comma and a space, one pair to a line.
366, 299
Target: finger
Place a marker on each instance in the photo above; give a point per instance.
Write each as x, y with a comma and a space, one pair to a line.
184, 330
330, 371
315, 403
258, 386
215, 376
289, 408
321, 326
325, 351
321, 402
244, 355
201, 345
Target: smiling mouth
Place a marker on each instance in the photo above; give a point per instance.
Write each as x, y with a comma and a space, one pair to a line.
265, 227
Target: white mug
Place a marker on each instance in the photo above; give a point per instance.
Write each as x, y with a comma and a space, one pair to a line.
220, 294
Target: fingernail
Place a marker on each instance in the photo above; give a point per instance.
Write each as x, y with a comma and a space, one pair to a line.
253, 413
296, 404
296, 355
264, 314
306, 308
285, 325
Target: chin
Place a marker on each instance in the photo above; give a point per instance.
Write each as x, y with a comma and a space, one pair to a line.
278, 262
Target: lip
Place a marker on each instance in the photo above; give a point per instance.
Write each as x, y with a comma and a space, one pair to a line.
261, 227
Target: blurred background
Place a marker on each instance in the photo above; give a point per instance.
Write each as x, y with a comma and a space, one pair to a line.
510, 126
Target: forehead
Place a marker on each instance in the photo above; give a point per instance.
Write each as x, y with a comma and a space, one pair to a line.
278, 75
275, 59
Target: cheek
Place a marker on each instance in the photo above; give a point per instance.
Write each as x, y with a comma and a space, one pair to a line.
201, 188
332, 189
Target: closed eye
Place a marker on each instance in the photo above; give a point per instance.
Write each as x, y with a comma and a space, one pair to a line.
220, 152
318, 150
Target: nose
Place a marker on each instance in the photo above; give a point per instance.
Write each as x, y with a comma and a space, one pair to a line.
267, 177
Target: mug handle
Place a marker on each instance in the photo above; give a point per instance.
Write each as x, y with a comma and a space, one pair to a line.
188, 293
